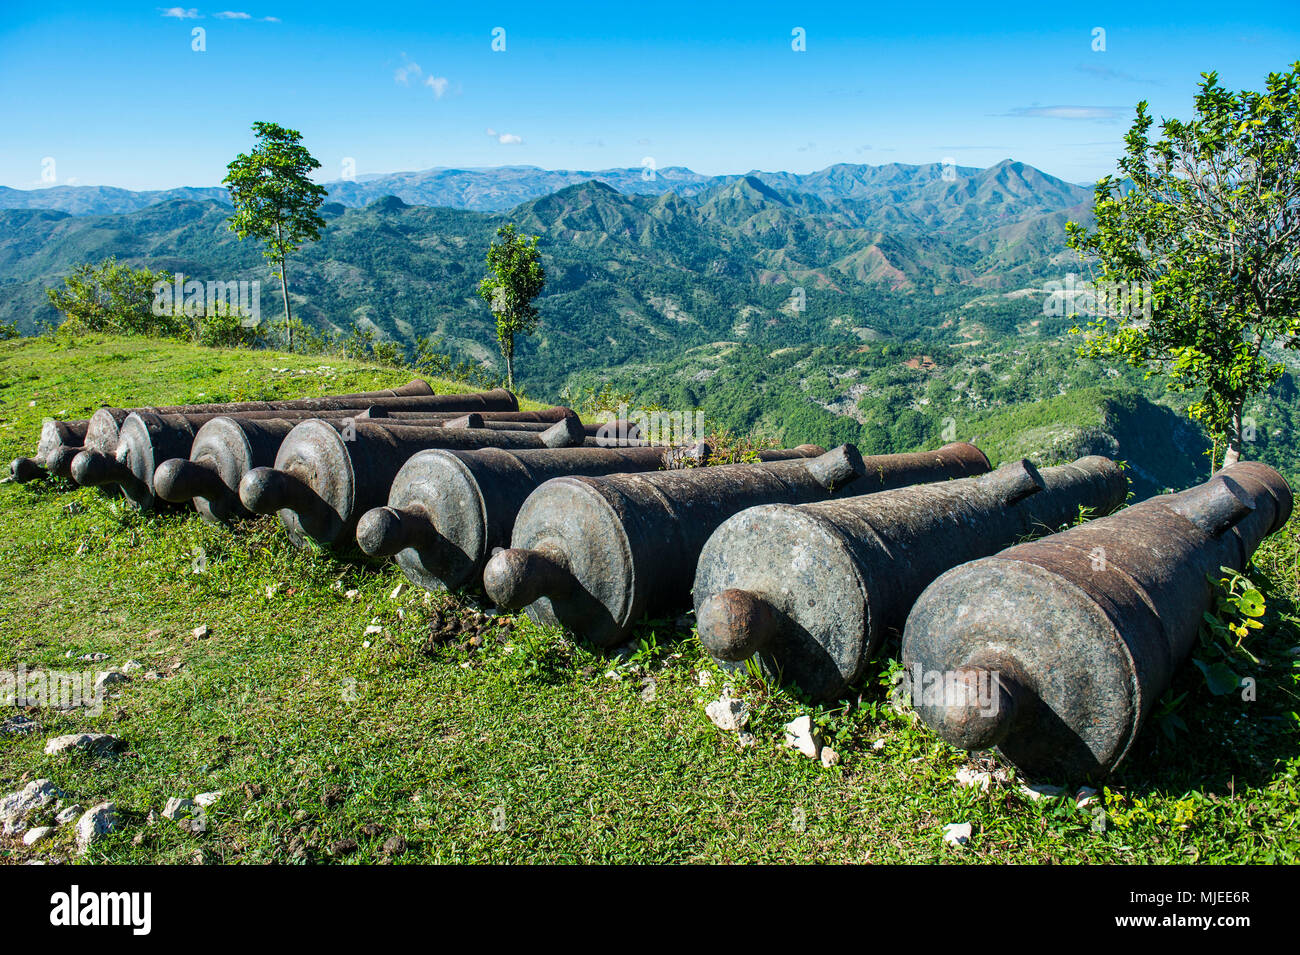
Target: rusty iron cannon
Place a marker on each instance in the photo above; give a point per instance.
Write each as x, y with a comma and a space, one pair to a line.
61, 440
147, 440
226, 447
595, 554
613, 432
448, 511
1056, 651
809, 591
55, 435
322, 481
102, 431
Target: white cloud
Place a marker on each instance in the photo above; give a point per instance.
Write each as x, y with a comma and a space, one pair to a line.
507, 139
438, 84
1066, 112
180, 13
232, 15
270, 19
404, 73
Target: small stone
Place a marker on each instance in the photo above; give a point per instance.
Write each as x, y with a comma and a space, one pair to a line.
704, 678
207, 799
33, 836
352, 594
801, 735
200, 632
747, 740
397, 591
94, 657
974, 779
373, 629
878, 745
1085, 797
95, 823
110, 678
728, 714
177, 808
130, 666
18, 725
829, 757
1040, 791
153, 675
649, 689
98, 743
957, 833
69, 814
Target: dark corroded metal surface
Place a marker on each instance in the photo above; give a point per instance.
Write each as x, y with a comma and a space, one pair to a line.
223, 451
811, 590
102, 432
50, 457
145, 440
613, 431
595, 554
1056, 651
323, 481
448, 510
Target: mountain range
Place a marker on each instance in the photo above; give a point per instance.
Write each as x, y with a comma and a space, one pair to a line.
845, 255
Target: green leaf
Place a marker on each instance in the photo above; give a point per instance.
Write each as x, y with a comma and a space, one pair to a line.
1219, 677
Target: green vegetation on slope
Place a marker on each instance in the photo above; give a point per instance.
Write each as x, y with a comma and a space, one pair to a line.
504, 742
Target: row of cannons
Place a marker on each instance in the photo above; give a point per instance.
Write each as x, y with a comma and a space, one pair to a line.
1022, 628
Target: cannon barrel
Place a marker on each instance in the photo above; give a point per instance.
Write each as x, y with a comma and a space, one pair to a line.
105, 423
146, 440
595, 554
448, 511
809, 591
613, 432
1055, 651
56, 436
322, 481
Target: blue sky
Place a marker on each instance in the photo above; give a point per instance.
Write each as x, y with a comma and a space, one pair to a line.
114, 93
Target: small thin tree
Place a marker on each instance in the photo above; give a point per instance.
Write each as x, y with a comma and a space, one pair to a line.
1205, 226
515, 277
275, 201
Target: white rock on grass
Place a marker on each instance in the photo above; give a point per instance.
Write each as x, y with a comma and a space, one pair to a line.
957, 833
207, 799
98, 743
33, 836
728, 714
974, 779
95, 823
829, 757
1038, 791
200, 632
110, 678
17, 808
70, 814
397, 591
1085, 797
878, 745
130, 666
801, 735
177, 807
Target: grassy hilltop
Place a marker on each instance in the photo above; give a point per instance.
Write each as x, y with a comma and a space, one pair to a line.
450, 735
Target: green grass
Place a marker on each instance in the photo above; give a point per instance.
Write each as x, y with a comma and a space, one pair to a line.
525, 747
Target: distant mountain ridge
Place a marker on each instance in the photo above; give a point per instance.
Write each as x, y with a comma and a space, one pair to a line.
500, 188
844, 256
